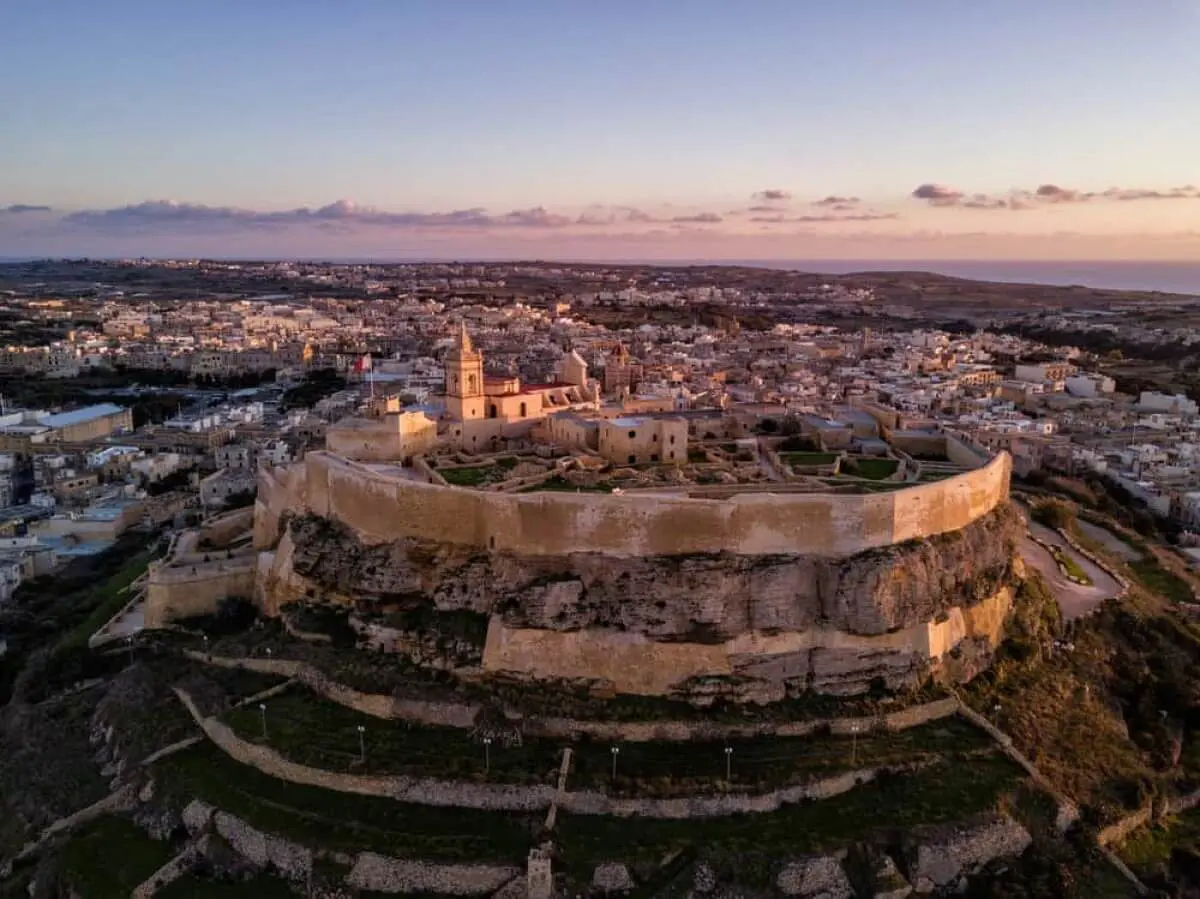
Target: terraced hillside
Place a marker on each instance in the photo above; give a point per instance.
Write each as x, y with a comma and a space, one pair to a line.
230, 758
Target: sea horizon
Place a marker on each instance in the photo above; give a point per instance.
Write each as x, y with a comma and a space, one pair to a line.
1175, 277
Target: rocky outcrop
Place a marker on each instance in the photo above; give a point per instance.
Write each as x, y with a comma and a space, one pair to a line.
262, 850
818, 877
690, 598
946, 855
612, 877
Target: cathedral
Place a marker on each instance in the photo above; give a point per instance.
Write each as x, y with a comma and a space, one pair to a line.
479, 410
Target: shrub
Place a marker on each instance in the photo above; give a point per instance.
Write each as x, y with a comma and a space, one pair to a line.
1054, 514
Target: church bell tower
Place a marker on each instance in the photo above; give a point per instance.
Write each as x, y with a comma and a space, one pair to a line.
464, 379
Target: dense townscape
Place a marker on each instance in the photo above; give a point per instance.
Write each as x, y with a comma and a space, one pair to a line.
535, 579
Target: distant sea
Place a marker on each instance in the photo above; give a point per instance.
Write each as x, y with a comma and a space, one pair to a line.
1168, 277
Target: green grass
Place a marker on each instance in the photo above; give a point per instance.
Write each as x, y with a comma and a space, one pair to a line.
1151, 575
1073, 569
341, 821
471, 477
108, 598
313, 731
1148, 851
110, 857
750, 844
191, 886
764, 763
808, 459
874, 469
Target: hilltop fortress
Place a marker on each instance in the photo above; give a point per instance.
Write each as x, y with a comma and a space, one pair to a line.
757, 595
693, 579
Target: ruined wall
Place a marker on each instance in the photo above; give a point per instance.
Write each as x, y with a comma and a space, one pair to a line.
383, 507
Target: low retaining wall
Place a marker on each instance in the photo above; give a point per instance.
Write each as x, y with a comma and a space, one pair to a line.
394, 875
463, 715
1068, 812
371, 871
528, 798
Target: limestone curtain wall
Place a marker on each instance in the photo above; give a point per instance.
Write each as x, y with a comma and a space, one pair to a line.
381, 506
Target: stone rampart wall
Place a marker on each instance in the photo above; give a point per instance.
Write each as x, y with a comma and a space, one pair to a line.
175, 593
633, 663
223, 529
383, 507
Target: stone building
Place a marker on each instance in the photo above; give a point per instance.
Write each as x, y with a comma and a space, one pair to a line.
621, 374
480, 410
628, 441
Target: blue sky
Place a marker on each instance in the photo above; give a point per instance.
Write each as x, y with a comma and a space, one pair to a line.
659, 105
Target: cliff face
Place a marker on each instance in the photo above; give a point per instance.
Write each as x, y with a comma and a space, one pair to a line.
706, 598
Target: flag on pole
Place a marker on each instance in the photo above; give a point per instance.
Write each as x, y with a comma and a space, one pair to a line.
362, 366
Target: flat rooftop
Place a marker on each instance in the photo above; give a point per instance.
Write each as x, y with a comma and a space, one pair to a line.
79, 416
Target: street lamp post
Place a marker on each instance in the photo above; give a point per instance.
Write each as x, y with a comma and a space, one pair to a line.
853, 743
615, 750
487, 755
262, 708
728, 764
362, 744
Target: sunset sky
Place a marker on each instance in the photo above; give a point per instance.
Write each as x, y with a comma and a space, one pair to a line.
627, 129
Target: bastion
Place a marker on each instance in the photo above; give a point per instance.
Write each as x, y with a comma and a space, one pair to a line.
755, 596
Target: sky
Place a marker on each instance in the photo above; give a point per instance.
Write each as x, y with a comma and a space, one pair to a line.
625, 129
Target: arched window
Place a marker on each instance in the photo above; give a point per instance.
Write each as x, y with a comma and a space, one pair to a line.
471, 383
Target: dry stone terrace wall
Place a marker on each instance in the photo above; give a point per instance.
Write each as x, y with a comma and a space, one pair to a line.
382, 506
463, 715
532, 798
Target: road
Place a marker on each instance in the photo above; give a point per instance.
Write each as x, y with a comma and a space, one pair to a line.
1075, 600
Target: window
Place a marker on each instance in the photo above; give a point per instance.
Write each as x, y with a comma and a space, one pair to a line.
672, 439
671, 454
522, 410
654, 457
632, 435
471, 383
632, 460
492, 411
654, 438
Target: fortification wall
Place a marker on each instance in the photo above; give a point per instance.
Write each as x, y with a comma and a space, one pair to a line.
175, 593
382, 507
281, 491
221, 530
828, 659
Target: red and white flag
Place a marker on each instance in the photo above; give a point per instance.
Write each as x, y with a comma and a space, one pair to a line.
363, 365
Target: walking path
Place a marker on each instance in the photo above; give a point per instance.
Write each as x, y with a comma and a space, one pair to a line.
1075, 600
